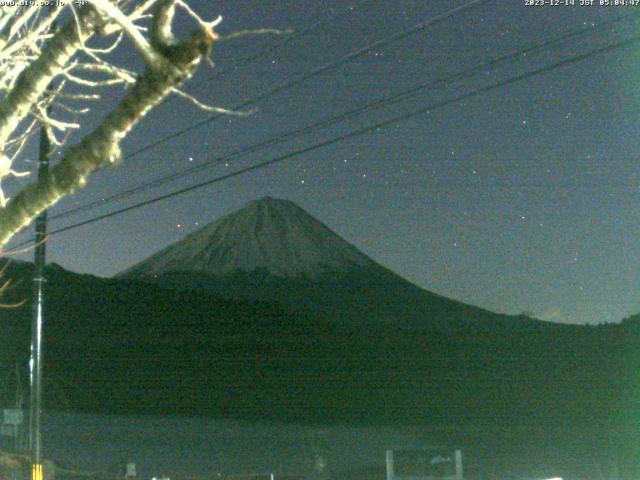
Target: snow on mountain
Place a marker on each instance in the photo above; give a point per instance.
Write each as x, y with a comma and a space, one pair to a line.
272, 250
267, 234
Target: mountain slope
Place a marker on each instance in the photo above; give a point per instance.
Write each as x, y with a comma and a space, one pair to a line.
273, 250
268, 234
115, 346
126, 346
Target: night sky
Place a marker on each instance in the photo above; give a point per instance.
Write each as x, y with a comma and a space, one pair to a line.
522, 199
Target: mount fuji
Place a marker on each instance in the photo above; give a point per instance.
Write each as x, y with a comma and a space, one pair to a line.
275, 236
274, 250
266, 313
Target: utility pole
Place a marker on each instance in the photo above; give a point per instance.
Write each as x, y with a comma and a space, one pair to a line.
37, 320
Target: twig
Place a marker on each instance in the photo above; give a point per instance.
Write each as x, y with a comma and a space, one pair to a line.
210, 108
260, 31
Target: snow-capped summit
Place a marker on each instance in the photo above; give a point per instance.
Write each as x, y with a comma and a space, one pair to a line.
273, 251
269, 234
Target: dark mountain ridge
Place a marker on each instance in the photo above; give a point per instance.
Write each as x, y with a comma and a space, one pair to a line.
130, 346
349, 342
273, 250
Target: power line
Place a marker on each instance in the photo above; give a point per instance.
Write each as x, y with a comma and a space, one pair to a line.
297, 34
326, 122
353, 55
356, 133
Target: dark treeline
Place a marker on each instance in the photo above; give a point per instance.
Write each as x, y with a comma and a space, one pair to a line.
113, 346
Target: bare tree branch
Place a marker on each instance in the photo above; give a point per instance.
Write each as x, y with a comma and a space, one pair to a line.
209, 108
141, 44
34, 80
102, 147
